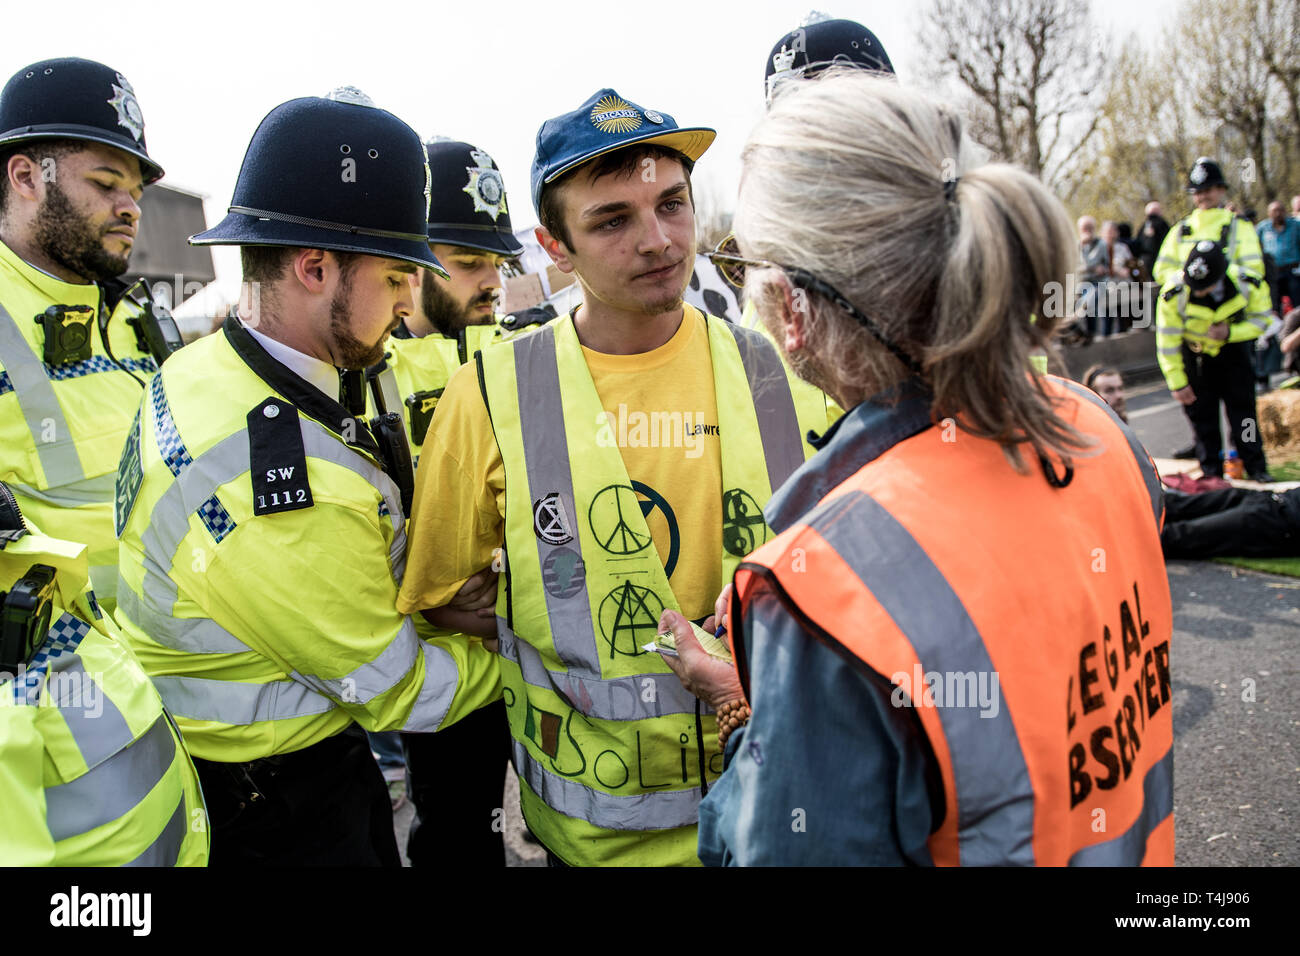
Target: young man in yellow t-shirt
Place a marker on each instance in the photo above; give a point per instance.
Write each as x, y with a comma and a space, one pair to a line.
612, 759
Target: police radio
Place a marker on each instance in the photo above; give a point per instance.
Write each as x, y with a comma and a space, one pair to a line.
390, 434
67, 333
155, 329
25, 617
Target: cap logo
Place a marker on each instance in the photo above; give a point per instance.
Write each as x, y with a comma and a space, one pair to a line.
1198, 174
485, 186
1199, 269
613, 115
428, 188
654, 117
128, 110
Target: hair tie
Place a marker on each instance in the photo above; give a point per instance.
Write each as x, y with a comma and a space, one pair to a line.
950, 189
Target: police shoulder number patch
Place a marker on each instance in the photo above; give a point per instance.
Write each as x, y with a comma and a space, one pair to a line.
277, 460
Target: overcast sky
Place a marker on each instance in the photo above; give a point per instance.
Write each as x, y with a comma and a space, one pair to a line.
488, 73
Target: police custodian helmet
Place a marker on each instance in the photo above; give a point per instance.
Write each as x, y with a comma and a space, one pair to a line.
467, 205
1204, 175
817, 46
331, 172
70, 98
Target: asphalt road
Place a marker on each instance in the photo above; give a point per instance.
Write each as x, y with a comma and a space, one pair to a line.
1236, 699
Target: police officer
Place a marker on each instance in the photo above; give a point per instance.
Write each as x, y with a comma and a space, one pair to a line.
1209, 220
805, 53
471, 235
92, 770
264, 517
1206, 323
819, 44
76, 344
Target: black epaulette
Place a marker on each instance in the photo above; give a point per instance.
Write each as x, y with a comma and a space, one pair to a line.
526, 317
277, 458
1172, 292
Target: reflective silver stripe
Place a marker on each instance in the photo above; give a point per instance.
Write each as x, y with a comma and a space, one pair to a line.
94, 721
224, 462
392, 394
35, 394
374, 678
193, 635
1129, 847
1261, 320
169, 522
1155, 490
778, 425
619, 698
1172, 350
88, 491
113, 788
440, 681
238, 703
103, 581
165, 850
653, 810
319, 442
995, 797
547, 462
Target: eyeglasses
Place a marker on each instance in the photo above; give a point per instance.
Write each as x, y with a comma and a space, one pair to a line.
731, 264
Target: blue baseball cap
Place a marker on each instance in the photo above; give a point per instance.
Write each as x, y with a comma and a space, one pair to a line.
604, 123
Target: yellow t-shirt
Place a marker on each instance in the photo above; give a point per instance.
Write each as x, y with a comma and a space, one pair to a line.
661, 412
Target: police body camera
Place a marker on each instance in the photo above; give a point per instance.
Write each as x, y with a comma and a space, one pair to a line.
67, 333
25, 617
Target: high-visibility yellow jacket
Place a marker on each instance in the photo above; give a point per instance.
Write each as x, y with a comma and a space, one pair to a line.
804, 391
1238, 237
604, 743
92, 770
62, 426
420, 370
262, 546
1179, 319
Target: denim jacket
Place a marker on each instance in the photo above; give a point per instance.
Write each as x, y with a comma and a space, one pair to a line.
827, 772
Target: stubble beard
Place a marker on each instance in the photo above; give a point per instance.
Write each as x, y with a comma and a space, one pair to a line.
349, 351
66, 238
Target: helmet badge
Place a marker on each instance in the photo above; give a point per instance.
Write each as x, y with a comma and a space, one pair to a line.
485, 186
128, 109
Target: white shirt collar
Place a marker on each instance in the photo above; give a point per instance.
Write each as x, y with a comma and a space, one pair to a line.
307, 367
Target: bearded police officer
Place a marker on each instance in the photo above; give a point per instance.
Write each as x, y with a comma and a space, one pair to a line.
622, 453
262, 515
1209, 220
470, 234
92, 770
76, 344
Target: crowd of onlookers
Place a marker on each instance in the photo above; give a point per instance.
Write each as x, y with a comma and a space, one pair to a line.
1115, 265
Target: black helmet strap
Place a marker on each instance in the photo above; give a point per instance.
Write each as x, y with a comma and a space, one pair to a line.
323, 224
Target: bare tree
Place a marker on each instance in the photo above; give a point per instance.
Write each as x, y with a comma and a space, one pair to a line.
1220, 66
1032, 70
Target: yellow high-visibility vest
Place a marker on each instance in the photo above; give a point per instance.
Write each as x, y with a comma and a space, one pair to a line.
262, 547
610, 744
93, 771
62, 426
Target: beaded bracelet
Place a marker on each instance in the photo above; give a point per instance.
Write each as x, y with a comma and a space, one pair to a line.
732, 714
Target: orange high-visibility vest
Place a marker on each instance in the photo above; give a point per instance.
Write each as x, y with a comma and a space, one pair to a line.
1027, 625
